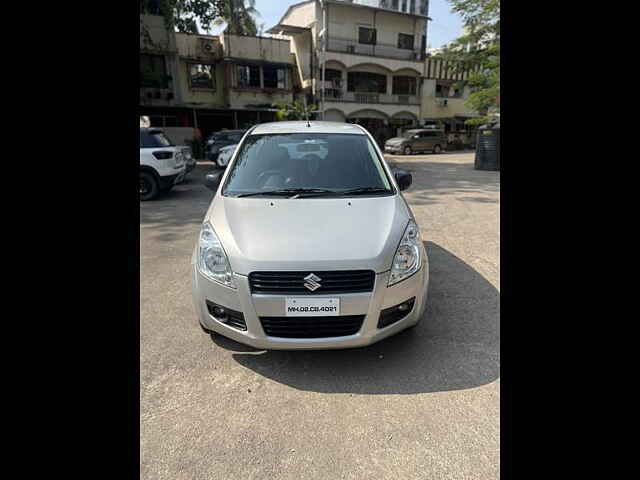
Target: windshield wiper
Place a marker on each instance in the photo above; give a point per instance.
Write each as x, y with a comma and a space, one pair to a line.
287, 191
362, 190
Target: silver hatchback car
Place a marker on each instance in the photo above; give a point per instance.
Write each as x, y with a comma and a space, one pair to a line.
308, 242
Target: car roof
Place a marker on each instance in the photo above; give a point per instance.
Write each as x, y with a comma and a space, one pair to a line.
228, 131
303, 126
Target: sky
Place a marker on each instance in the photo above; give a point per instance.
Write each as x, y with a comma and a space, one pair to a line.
444, 26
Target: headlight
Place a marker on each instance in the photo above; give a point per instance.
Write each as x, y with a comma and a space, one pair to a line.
407, 259
212, 261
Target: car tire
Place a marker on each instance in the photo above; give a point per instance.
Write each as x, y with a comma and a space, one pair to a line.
407, 150
148, 186
437, 149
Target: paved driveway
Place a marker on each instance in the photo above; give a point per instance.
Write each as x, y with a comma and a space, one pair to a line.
422, 404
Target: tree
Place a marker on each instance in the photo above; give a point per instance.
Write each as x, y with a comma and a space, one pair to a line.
294, 111
479, 45
238, 15
184, 15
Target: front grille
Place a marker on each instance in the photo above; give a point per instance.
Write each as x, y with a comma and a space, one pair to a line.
292, 283
311, 327
232, 317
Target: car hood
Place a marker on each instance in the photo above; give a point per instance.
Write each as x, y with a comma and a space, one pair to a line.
309, 233
395, 140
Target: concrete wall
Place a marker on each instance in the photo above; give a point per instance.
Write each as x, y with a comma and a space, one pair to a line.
344, 20
161, 38
180, 135
208, 98
301, 48
257, 48
384, 111
242, 98
191, 46
301, 16
349, 60
430, 107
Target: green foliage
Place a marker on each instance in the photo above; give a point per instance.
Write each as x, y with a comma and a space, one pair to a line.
479, 45
294, 111
239, 17
184, 15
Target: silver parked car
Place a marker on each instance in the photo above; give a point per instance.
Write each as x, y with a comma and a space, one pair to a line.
308, 242
417, 140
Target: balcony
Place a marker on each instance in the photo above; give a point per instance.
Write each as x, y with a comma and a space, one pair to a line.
419, 7
337, 95
382, 50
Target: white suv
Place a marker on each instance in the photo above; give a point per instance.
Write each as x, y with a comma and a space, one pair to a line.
162, 164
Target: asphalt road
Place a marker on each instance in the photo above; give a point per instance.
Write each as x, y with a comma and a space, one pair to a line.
422, 404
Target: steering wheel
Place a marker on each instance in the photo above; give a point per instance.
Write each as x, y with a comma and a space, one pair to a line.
264, 176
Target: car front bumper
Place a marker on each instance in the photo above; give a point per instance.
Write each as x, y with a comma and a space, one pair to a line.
253, 306
393, 149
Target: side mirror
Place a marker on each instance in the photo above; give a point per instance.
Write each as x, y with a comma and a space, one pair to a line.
403, 178
212, 180
416, 136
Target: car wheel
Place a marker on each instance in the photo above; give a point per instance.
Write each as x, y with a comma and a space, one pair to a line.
437, 149
407, 150
149, 187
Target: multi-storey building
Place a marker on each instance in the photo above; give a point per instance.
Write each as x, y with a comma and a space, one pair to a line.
372, 52
211, 82
444, 94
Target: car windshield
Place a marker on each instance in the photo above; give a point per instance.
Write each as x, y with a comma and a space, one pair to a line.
331, 162
409, 133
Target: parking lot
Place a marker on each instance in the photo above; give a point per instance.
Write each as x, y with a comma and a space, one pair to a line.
422, 404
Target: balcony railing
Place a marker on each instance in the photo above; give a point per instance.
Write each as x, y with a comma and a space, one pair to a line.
337, 95
418, 7
345, 45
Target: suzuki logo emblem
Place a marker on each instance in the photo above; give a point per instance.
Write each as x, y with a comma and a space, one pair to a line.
312, 282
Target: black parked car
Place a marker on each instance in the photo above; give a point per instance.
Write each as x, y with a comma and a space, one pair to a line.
220, 139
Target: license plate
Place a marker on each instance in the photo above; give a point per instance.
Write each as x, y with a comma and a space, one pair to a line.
312, 307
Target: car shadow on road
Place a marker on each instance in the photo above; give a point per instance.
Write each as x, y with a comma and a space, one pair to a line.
455, 347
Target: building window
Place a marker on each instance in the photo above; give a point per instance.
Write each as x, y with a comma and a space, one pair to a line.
153, 71
404, 85
274, 77
248, 76
333, 78
366, 82
448, 89
405, 41
367, 36
202, 76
